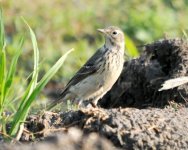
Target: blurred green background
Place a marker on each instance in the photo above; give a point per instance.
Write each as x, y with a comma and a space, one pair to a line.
61, 25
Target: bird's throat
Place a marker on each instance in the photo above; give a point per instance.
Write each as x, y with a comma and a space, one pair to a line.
110, 43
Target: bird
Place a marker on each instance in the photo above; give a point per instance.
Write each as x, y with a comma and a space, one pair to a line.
97, 76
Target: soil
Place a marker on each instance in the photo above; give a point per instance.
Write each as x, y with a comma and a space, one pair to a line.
132, 115
141, 78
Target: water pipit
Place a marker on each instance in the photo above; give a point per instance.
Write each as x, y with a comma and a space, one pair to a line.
99, 73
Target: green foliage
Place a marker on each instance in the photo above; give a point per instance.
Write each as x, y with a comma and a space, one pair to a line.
7, 76
65, 24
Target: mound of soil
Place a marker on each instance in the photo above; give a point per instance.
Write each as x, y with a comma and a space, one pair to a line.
141, 78
72, 140
127, 128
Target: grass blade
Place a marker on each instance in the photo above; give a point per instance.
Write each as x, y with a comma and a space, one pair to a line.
12, 69
32, 83
2, 67
2, 31
36, 57
22, 114
2, 78
34, 79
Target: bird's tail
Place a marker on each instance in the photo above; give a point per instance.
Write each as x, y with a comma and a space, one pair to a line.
52, 105
62, 98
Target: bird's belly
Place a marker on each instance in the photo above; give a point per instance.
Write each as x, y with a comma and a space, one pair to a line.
98, 84
88, 88
111, 75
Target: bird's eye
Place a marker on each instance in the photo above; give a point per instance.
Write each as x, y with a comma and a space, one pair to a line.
114, 33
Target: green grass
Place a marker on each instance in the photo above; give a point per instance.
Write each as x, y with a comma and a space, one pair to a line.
33, 89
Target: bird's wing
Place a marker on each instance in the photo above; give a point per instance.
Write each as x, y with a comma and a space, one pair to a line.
88, 68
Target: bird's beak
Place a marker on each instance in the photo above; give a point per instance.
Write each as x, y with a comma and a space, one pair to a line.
102, 31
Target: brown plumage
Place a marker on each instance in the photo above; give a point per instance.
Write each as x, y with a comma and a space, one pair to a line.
99, 73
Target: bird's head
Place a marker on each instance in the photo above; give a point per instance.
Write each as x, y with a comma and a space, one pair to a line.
113, 35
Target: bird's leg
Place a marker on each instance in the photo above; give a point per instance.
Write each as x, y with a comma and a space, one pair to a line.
93, 104
80, 104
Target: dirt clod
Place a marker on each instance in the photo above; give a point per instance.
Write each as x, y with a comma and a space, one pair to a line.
128, 128
141, 78
72, 140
